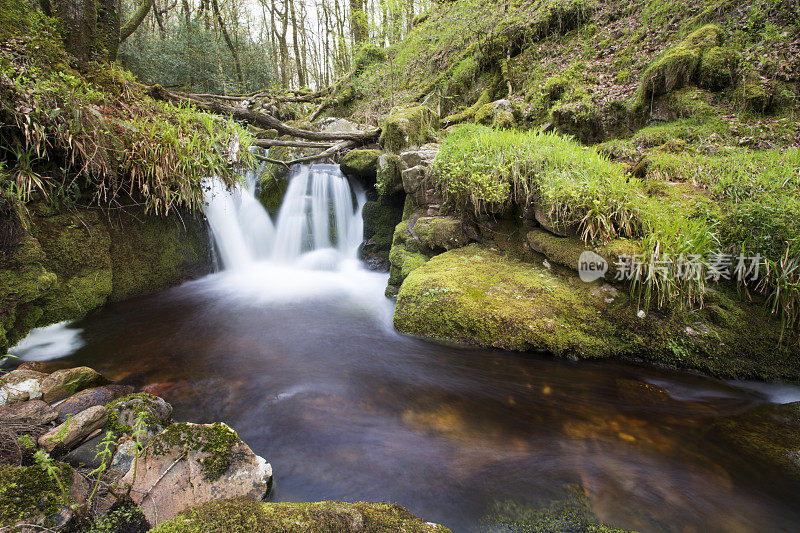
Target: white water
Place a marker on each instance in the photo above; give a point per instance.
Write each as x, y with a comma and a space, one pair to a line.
49, 342
319, 225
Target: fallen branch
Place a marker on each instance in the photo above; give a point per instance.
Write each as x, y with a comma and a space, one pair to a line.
338, 147
332, 92
264, 120
267, 143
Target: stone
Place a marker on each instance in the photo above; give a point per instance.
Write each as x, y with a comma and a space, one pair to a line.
124, 456
424, 156
21, 385
338, 125
32, 412
361, 164
413, 179
437, 233
155, 413
87, 398
63, 383
189, 464
86, 454
498, 114
68, 434
409, 127
389, 180
38, 366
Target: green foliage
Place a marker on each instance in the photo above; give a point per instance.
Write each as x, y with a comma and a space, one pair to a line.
113, 140
487, 169
32, 490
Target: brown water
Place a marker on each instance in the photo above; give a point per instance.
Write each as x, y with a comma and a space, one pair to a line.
309, 372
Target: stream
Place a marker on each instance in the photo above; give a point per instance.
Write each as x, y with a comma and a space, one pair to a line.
292, 345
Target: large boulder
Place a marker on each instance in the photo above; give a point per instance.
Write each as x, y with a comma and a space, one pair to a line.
64, 383
21, 385
440, 233
85, 399
71, 432
189, 464
361, 164
388, 179
319, 517
478, 295
409, 127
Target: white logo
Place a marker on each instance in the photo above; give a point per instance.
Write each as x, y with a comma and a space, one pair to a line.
591, 266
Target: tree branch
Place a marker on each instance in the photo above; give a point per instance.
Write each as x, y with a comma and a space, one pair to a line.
136, 19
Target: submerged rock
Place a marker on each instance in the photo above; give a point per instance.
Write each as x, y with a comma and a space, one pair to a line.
242, 515
189, 464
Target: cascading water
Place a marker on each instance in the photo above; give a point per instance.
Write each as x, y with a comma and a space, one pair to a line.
318, 227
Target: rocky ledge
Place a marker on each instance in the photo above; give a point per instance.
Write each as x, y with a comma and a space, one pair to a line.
78, 453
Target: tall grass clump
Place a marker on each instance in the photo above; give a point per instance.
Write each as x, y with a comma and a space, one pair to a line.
487, 170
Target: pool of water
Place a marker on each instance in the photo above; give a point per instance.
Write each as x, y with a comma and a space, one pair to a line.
306, 367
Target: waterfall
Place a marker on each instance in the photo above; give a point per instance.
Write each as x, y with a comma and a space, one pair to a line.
318, 226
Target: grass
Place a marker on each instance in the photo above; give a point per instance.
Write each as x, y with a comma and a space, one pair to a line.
96, 138
486, 169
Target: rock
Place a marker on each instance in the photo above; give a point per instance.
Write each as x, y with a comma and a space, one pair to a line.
389, 180
581, 120
38, 366
338, 125
155, 413
86, 455
32, 412
437, 233
498, 114
70, 433
188, 464
63, 383
423, 156
379, 224
21, 385
403, 262
408, 127
339, 517
361, 164
567, 251
85, 399
124, 456
413, 179
478, 295
29, 495
542, 215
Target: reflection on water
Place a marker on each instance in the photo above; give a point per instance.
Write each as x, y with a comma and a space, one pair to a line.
305, 366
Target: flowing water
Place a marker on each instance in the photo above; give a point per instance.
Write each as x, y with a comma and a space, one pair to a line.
292, 345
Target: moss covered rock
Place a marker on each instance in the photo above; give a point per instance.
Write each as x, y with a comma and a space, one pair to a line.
498, 114
30, 495
270, 192
388, 180
379, 224
718, 68
64, 383
440, 233
403, 262
361, 164
243, 515
479, 296
408, 127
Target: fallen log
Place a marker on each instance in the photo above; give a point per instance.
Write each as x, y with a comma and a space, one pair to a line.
264, 120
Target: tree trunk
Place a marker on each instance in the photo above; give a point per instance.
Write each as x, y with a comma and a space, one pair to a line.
358, 23
228, 41
298, 60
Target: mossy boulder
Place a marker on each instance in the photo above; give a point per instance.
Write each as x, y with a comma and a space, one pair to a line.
389, 179
480, 296
361, 164
270, 192
28, 494
403, 262
243, 515
379, 224
409, 127
566, 251
152, 412
718, 68
498, 114
66, 382
440, 233
673, 70
579, 119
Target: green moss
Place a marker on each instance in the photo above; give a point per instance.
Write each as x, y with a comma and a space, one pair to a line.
440, 233
270, 193
362, 164
248, 516
139, 403
28, 492
718, 68
402, 262
673, 70
479, 296
389, 180
379, 224
409, 127
215, 441
470, 112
